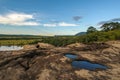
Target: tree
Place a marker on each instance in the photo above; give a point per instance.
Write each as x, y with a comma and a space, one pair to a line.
91, 29
110, 26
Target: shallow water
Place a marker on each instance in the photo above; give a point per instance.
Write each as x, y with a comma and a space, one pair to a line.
10, 48
71, 56
87, 65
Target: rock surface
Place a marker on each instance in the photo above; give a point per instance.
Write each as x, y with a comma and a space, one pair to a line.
29, 47
51, 64
44, 46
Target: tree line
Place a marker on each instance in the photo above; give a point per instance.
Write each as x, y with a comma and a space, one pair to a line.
109, 31
105, 27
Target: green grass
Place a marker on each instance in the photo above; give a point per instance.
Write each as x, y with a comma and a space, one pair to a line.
63, 40
19, 39
18, 42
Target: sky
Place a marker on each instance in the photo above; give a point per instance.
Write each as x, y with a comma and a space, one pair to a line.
55, 17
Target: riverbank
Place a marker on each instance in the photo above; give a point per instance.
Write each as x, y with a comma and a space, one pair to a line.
49, 62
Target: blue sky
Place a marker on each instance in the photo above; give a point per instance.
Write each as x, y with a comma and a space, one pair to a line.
55, 17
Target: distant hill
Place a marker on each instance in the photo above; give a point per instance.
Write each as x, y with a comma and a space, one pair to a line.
62, 35
80, 33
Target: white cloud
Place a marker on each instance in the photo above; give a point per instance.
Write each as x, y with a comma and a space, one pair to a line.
26, 24
50, 25
22, 19
18, 19
62, 24
66, 24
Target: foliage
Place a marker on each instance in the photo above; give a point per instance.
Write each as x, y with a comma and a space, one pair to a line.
17, 42
98, 36
59, 41
101, 36
91, 29
112, 33
110, 26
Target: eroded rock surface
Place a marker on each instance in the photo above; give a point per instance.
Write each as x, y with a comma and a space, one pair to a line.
51, 64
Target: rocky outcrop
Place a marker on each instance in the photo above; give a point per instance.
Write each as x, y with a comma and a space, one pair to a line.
114, 43
89, 47
44, 46
49, 63
41, 46
29, 47
76, 46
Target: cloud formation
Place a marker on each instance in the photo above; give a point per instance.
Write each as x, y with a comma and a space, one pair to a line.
108, 21
50, 25
62, 24
77, 18
115, 19
66, 24
22, 19
19, 19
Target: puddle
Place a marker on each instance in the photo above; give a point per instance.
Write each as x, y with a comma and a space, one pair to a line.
71, 56
87, 65
84, 64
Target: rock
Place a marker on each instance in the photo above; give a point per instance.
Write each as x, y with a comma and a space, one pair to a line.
114, 43
44, 46
83, 73
49, 63
45, 75
13, 74
29, 47
97, 46
76, 46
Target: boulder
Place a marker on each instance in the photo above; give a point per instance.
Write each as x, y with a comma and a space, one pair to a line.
44, 46
77, 46
114, 43
29, 47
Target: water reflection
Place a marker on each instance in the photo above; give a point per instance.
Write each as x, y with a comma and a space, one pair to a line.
10, 48
87, 65
71, 56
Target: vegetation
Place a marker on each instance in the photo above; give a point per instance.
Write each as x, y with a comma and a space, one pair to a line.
17, 42
101, 36
112, 32
91, 29
110, 26
19, 39
60, 41
109, 31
